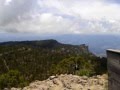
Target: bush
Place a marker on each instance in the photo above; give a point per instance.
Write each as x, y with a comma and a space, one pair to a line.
13, 78
84, 72
68, 65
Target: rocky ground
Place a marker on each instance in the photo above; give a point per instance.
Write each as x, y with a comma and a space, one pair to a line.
69, 82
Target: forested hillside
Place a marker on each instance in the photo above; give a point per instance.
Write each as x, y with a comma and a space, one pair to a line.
25, 61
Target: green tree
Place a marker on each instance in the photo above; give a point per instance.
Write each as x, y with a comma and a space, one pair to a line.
74, 65
13, 78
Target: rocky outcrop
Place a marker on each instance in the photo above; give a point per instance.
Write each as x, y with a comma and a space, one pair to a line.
69, 82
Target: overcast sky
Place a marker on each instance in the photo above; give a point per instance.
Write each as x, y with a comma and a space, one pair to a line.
60, 16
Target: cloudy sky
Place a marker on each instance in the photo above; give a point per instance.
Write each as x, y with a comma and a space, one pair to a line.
60, 16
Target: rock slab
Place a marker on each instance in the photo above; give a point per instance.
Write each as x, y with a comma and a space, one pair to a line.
69, 82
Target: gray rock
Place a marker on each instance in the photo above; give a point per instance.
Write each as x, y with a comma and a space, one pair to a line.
69, 82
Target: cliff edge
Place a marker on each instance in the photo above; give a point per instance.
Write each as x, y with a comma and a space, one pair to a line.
69, 82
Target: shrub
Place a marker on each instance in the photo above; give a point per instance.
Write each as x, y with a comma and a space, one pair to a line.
74, 65
12, 78
84, 72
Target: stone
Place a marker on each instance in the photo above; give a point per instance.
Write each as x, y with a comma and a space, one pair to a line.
52, 77
69, 82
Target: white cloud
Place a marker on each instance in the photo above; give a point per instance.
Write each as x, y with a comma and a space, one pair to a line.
84, 8
44, 23
7, 2
60, 16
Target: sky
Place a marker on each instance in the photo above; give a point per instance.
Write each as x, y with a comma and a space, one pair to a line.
59, 17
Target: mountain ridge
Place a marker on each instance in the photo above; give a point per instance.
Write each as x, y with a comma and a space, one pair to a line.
98, 43
49, 43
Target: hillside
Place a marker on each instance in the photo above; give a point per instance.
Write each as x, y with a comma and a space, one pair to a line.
22, 62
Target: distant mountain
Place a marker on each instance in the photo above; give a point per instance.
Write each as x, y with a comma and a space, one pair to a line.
50, 44
97, 43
